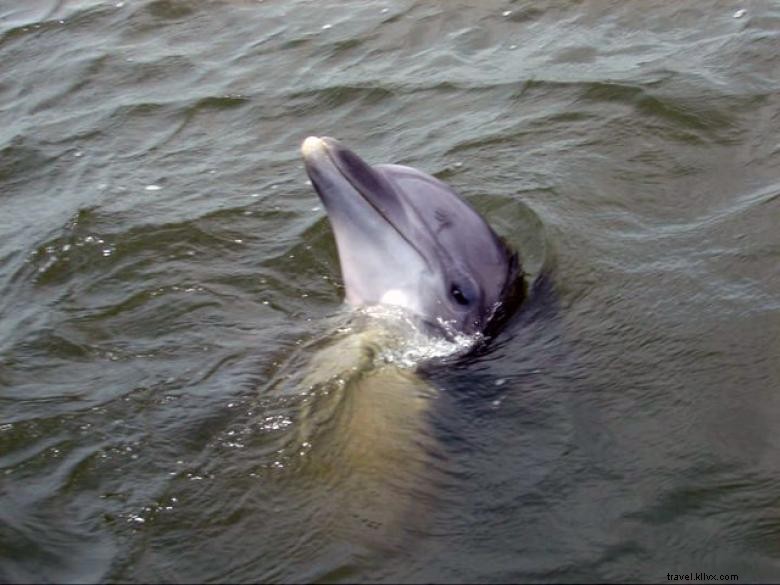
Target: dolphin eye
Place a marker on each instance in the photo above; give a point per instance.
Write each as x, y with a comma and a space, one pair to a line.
458, 295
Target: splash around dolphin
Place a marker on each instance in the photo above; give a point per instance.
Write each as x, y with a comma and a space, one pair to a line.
406, 239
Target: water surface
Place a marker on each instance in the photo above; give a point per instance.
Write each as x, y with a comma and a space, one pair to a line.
168, 277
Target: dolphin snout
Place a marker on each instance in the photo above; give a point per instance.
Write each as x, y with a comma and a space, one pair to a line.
319, 145
313, 145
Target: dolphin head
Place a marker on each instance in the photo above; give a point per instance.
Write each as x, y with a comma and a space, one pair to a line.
407, 239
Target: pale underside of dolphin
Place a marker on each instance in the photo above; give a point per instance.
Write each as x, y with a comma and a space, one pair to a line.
407, 239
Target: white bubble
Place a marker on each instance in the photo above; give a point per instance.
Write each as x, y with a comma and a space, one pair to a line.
326, 26
506, 13
740, 13
153, 187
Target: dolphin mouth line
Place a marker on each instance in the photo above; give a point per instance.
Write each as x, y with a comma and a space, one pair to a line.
368, 200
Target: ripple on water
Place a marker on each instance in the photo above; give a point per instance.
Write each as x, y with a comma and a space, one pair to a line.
157, 421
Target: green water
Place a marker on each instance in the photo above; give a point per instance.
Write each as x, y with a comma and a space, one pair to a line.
168, 277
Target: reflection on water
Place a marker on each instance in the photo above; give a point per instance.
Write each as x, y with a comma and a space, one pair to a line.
169, 284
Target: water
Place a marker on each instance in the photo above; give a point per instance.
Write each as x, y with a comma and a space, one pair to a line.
169, 283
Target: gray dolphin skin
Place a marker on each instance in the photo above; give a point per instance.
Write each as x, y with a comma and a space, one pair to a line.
407, 239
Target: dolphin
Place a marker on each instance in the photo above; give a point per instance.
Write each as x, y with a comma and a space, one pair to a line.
407, 239
404, 239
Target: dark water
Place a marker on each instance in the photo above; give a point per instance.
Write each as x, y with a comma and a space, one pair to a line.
167, 277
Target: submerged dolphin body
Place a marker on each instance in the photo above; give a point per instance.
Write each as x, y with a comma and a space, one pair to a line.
404, 239
407, 239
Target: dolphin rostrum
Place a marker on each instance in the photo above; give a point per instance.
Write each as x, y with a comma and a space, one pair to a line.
407, 239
